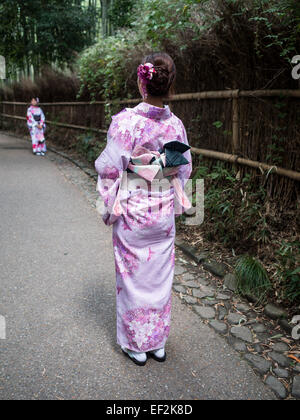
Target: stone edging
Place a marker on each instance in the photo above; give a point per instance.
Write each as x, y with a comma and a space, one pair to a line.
220, 270
90, 172
261, 336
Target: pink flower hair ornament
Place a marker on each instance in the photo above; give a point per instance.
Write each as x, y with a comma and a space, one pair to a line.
145, 74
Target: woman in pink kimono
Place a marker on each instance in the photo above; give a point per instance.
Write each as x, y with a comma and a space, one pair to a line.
145, 144
36, 125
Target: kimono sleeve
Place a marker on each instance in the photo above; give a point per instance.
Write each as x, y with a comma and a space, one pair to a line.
112, 162
43, 119
184, 171
30, 120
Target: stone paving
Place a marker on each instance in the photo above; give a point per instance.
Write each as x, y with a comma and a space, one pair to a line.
258, 338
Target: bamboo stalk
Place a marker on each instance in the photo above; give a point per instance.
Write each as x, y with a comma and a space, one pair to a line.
13, 116
55, 103
204, 95
235, 93
254, 164
294, 93
222, 94
75, 127
235, 125
72, 103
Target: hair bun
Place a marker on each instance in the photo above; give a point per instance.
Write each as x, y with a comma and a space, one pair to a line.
163, 76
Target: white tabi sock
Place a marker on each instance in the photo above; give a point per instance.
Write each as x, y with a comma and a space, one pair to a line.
140, 357
160, 353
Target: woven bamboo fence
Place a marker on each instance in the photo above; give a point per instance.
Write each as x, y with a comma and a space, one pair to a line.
247, 121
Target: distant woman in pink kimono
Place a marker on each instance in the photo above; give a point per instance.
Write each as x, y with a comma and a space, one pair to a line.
36, 125
146, 143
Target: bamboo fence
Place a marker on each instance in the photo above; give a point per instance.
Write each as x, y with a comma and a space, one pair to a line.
234, 95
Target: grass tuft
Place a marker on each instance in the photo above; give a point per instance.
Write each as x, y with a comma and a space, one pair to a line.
252, 278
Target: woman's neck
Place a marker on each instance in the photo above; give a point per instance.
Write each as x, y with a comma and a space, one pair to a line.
152, 100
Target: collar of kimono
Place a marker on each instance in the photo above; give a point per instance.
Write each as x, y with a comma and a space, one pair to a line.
153, 112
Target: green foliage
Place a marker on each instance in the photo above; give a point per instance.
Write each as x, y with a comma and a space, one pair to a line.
107, 69
272, 15
233, 207
218, 124
120, 13
89, 147
160, 20
288, 270
102, 68
276, 148
252, 278
235, 215
35, 33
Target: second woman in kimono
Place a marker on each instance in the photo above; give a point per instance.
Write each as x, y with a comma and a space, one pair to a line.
36, 125
147, 142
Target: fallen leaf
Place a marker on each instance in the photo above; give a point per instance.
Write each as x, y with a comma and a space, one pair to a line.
286, 340
275, 336
284, 383
291, 356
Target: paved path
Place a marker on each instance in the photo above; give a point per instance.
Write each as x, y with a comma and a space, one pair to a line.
57, 295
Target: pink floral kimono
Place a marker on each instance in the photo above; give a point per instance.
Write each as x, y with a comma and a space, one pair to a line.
144, 233
35, 117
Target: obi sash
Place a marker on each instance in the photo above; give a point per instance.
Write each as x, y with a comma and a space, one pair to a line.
37, 117
151, 164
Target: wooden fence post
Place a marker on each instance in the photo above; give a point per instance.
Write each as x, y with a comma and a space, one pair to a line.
235, 122
14, 106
